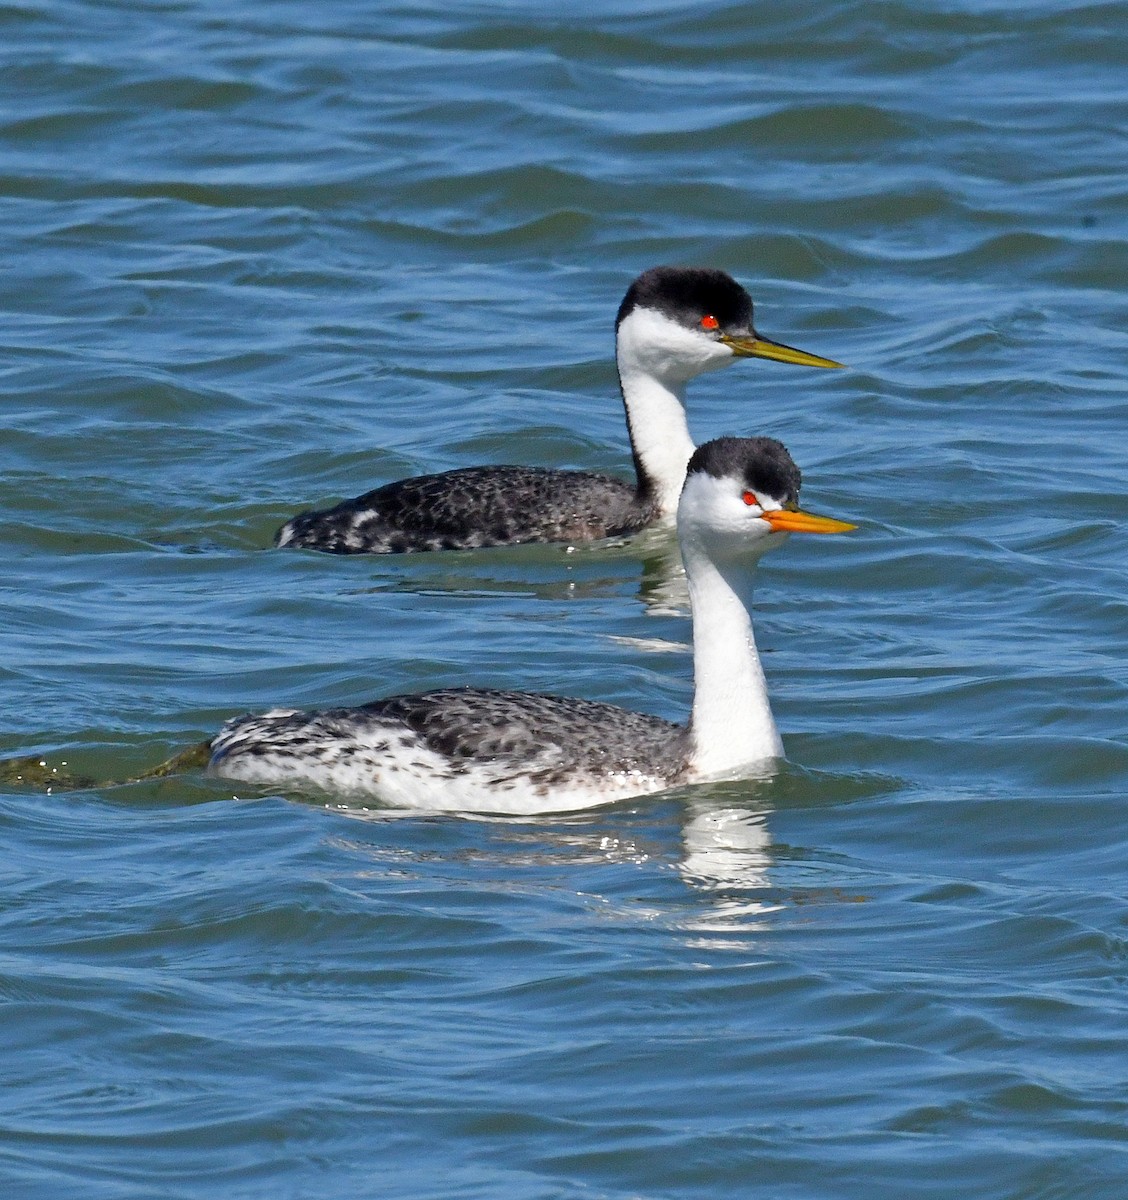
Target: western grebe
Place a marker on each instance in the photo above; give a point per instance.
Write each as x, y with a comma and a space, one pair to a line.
522, 752
674, 323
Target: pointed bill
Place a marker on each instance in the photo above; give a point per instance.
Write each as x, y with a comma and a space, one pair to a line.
794, 520
758, 347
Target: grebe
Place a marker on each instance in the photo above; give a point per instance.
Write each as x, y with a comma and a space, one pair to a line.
467, 749
674, 323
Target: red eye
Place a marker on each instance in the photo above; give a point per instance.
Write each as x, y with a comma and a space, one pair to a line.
710, 322
749, 498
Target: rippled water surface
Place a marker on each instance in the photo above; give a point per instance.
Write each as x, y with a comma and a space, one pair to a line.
257, 257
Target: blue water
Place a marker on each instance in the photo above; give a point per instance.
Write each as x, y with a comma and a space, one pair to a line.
258, 257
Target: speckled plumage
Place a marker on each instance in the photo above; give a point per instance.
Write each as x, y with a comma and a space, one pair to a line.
468, 748
474, 507
674, 324
472, 750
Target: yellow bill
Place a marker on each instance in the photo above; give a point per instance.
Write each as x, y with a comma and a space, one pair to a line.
758, 347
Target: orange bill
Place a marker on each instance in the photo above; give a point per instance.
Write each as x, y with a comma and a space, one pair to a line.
794, 520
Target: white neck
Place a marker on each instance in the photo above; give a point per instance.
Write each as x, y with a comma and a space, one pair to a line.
659, 436
656, 357
731, 725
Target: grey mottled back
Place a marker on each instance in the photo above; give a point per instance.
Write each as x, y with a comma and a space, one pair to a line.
543, 739
473, 507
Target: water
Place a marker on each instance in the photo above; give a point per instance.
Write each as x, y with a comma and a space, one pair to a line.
258, 257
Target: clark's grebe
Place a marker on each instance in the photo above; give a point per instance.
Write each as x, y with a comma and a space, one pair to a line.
521, 752
674, 323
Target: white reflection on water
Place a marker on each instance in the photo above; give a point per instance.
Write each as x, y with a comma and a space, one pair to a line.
727, 854
722, 853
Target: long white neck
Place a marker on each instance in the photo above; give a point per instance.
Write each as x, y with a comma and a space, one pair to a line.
659, 435
732, 724
656, 358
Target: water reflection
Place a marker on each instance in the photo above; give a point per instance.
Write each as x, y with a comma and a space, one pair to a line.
548, 572
727, 855
719, 851
725, 848
663, 589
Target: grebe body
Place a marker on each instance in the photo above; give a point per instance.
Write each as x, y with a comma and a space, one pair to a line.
674, 323
484, 750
